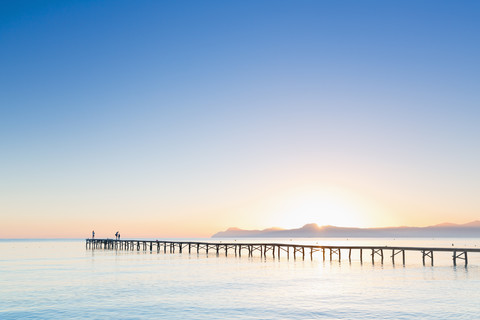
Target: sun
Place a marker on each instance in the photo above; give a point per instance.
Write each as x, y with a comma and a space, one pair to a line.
324, 206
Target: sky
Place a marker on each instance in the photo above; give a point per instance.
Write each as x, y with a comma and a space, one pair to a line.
183, 118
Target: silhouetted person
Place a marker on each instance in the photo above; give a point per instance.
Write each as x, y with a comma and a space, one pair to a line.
116, 235
93, 234
119, 236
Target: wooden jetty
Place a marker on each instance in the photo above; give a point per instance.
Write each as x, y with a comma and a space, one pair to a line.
276, 249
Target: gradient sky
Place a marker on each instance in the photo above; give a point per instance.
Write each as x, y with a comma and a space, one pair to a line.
184, 118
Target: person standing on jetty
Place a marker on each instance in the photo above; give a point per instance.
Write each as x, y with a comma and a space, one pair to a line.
116, 235
93, 234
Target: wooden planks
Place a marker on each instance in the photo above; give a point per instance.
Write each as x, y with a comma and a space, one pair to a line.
264, 248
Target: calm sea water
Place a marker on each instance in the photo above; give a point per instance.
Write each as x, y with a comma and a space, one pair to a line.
60, 279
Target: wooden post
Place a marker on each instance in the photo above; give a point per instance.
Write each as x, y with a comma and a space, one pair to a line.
112, 244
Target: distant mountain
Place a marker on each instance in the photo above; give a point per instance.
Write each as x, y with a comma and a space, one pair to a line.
446, 224
236, 232
312, 230
475, 223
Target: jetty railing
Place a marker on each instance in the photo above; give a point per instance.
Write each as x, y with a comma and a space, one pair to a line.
276, 249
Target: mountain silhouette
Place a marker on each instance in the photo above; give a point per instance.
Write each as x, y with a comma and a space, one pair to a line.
312, 230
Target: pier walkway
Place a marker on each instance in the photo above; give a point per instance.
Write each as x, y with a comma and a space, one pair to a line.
376, 253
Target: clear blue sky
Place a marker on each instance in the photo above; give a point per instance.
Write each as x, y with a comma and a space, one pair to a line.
178, 113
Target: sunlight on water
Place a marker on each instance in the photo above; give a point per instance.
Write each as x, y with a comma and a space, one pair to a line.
61, 279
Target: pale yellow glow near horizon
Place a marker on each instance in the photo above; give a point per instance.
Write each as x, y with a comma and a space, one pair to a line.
289, 206
323, 205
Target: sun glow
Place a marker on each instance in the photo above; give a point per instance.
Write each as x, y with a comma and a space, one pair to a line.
324, 206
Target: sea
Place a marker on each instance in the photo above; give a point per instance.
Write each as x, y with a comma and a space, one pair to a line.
62, 279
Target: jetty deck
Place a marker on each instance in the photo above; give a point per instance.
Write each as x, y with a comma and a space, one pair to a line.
376, 253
